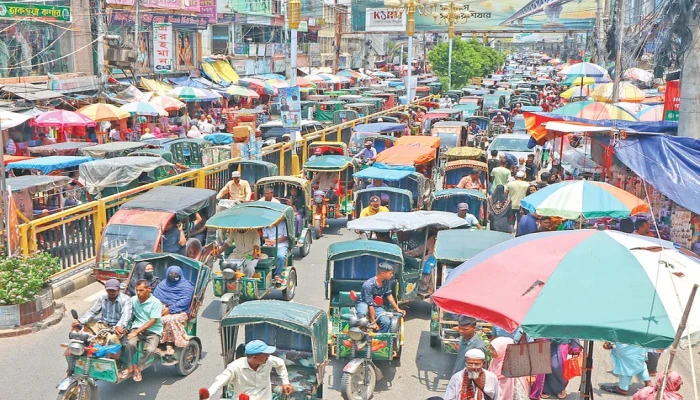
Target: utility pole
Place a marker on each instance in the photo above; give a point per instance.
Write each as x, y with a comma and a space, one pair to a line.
338, 37
620, 16
137, 22
100, 47
689, 111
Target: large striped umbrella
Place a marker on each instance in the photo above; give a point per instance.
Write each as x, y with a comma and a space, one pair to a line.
186, 93
594, 110
62, 119
584, 69
626, 92
589, 199
243, 92
167, 103
350, 74
651, 113
314, 78
303, 82
259, 86
585, 284
277, 83
576, 91
144, 108
103, 112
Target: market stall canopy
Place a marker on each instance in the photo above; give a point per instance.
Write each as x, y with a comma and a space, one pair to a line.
406, 155
37, 183
46, 165
31, 92
411, 221
152, 85
103, 112
8, 159
59, 149
63, 119
116, 172
9, 119
627, 92
179, 200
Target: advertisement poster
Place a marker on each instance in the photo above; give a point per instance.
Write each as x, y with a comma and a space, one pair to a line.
672, 100
184, 50
507, 15
384, 20
163, 48
143, 51
290, 108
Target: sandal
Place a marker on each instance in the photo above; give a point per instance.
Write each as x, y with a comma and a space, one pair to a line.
614, 389
169, 350
544, 396
124, 374
562, 395
137, 375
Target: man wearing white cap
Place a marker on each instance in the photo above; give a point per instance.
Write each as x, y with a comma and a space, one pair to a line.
516, 191
236, 189
473, 382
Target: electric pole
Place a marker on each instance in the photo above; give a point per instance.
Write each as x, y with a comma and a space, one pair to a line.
689, 111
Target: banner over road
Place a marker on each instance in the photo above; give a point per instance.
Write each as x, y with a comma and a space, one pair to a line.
506, 15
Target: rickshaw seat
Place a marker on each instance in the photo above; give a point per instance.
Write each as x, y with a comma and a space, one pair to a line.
303, 380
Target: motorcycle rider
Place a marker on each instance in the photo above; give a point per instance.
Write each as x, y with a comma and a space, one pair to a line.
368, 152
112, 310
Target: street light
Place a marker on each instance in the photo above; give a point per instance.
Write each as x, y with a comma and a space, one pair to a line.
411, 7
449, 14
293, 18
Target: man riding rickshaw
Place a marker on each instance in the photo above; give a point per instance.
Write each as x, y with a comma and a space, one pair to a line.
332, 185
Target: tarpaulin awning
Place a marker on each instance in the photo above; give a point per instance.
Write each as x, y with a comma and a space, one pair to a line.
119, 171
566, 127
31, 92
389, 175
49, 164
179, 200
153, 85
670, 164
406, 155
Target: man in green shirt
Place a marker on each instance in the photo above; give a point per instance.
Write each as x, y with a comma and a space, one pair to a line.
146, 327
500, 175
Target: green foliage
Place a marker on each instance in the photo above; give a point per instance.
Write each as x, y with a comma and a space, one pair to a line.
22, 278
469, 59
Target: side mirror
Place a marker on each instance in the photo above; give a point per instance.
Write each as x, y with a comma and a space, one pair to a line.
74, 314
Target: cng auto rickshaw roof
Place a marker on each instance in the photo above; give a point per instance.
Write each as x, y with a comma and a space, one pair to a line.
253, 215
406, 155
101, 150
384, 172
51, 163
36, 183
329, 163
118, 171
410, 221
282, 178
179, 200
459, 245
464, 152
419, 140
454, 191
356, 248
379, 127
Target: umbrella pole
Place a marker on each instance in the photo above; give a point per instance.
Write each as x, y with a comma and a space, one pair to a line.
586, 387
674, 345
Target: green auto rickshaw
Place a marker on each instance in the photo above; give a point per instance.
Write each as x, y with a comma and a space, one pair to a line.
187, 151
115, 175
325, 110
111, 150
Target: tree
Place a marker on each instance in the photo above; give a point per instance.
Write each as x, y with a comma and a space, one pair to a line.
469, 59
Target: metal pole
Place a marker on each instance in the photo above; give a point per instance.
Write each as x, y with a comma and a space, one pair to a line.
449, 66
689, 112
620, 16
401, 59
674, 345
100, 46
409, 98
137, 22
293, 61
5, 197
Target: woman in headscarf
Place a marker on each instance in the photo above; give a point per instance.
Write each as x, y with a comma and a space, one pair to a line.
508, 388
143, 271
673, 386
555, 383
175, 292
499, 206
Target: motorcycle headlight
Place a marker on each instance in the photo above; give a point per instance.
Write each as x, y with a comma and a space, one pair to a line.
228, 273
318, 199
76, 349
356, 334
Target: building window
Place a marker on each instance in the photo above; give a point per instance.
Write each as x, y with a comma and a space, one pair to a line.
220, 39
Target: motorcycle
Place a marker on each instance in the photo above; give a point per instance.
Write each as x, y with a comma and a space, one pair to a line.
320, 208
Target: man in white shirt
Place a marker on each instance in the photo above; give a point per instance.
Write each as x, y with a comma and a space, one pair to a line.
206, 126
251, 374
368, 152
276, 236
481, 384
247, 242
463, 212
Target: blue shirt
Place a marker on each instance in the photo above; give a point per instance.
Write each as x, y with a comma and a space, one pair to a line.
370, 290
526, 225
171, 240
367, 153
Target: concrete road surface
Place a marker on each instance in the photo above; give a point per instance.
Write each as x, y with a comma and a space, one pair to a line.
32, 365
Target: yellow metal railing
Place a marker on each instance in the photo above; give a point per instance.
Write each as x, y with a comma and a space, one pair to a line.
73, 235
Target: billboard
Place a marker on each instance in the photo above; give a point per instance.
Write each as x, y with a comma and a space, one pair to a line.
384, 20
506, 15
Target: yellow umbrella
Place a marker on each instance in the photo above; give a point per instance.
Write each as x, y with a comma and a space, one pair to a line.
627, 92
583, 80
576, 91
103, 112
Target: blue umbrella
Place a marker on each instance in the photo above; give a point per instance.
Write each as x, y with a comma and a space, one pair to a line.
584, 69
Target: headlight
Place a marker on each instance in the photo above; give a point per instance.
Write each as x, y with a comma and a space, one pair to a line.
356, 334
76, 349
228, 273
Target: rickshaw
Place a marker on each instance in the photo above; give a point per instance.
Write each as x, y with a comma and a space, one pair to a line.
381, 142
111, 150
422, 91
331, 202
451, 134
377, 102
217, 139
362, 109
280, 185
507, 96
362, 131
435, 88
188, 151
350, 98
84, 369
51, 165
495, 129
456, 170
410, 191
455, 95
389, 100
34, 194
139, 225
480, 139
423, 159
107, 177
59, 149
493, 101
464, 153
325, 110
299, 333
215, 154
448, 199
349, 265
452, 248
432, 142
162, 153
232, 288
308, 109
328, 148
343, 116
253, 170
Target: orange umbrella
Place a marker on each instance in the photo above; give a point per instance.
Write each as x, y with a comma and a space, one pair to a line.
167, 103
103, 112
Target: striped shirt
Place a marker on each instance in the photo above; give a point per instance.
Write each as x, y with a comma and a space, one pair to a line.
113, 313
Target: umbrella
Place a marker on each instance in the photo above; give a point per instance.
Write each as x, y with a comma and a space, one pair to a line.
330, 78
576, 91
243, 92
103, 112
314, 78
626, 92
63, 118
258, 85
587, 80
651, 113
382, 74
9, 119
143, 108
303, 82
350, 74
638, 74
594, 110
277, 83
586, 284
193, 94
555, 61
402, 221
167, 103
588, 199
584, 69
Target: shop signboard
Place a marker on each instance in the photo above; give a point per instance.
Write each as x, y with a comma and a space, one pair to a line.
163, 48
506, 15
34, 11
182, 5
74, 85
290, 108
672, 100
259, 7
207, 9
384, 20
127, 18
303, 26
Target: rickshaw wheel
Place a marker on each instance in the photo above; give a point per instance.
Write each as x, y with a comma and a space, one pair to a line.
73, 392
189, 358
288, 293
318, 228
360, 384
306, 248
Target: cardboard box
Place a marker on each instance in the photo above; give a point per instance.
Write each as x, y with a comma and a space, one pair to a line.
237, 150
241, 134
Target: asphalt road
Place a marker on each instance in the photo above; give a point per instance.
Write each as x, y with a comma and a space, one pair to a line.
32, 365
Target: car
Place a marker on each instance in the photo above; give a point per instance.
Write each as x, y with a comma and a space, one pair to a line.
274, 129
513, 143
519, 127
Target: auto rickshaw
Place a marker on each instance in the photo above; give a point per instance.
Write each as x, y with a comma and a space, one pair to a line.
362, 109
435, 88
334, 94
419, 187
456, 170
188, 151
451, 134
232, 288
448, 199
308, 109
111, 176
349, 265
452, 248
328, 148
381, 142
51, 165
299, 333
343, 116
139, 225
215, 154
422, 91
423, 159
362, 131
318, 98
36, 195
493, 101
455, 95
441, 114
253, 170
111, 150
468, 109
389, 100
85, 369
281, 185
325, 110
332, 188
495, 128
377, 102
59, 149
146, 152
350, 98
478, 139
